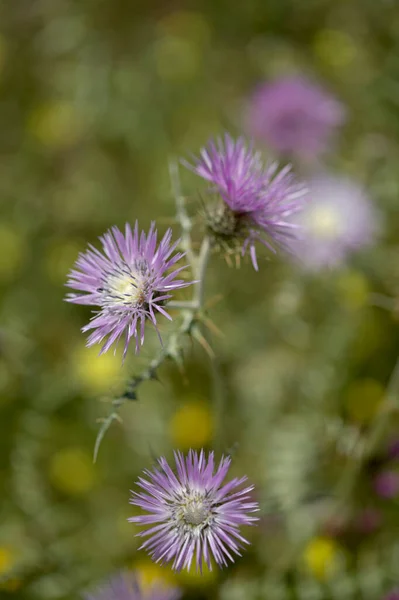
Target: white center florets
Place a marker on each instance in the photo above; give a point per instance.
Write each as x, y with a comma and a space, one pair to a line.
127, 286
193, 512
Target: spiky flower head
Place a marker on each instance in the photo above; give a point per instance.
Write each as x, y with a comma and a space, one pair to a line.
338, 219
192, 514
294, 116
255, 203
130, 282
127, 586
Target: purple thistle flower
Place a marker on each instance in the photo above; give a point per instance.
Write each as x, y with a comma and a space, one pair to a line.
130, 283
338, 219
294, 116
126, 586
258, 201
235, 170
192, 513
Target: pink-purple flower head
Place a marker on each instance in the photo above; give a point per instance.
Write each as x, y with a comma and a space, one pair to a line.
192, 514
257, 202
130, 281
127, 586
338, 219
294, 116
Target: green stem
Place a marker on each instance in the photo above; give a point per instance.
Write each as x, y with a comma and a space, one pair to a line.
191, 313
201, 265
181, 212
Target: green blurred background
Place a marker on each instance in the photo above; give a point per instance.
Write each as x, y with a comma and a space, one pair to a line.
95, 97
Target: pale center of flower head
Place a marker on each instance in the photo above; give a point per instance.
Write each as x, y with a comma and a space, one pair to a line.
324, 222
195, 512
127, 286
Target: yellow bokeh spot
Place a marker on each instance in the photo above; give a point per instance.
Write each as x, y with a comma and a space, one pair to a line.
12, 251
191, 426
60, 259
7, 559
71, 471
321, 557
353, 289
56, 124
150, 572
196, 578
363, 399
177, 59
335, 48
96, 374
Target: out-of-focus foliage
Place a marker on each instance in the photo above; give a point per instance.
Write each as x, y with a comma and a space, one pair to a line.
95, 97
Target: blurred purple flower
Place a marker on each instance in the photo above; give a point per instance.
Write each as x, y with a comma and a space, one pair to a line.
393, 450
294, 116
130, 282
126, 586
386, 484
393, 595
191, 513
257, 201
339, 218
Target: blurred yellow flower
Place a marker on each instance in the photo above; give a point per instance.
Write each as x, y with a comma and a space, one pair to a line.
95, 373
71, 471
12, 251
195, 578
335, 48
191, 426
363, 399
321, 557
149, 572
60, 259
353, 289
55, 124
7, 559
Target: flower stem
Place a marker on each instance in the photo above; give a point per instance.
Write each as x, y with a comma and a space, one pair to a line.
181, 212
198, 266
200, 271
191, 312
